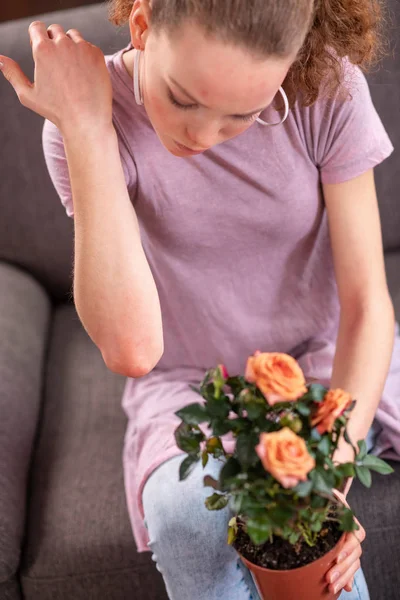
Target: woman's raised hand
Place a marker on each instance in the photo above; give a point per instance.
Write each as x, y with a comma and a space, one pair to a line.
72, 86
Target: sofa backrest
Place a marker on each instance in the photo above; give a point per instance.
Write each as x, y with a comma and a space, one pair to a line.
35, 233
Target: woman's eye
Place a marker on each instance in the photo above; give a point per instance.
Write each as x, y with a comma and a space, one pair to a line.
178, 104
248, 118
174, 101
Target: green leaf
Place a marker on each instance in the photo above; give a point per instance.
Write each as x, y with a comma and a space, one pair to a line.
237, 384
317, 526
187, 466
239, 424
294, 537
346, 437
214, 446
219, 408
377, 464
235, 502
364, 475
193, 414
231, 535
320, 482
204, 458
317, 502
253, 508
216, 502
255, 409
324, 445
220, 427
347, 522
245, 449
259, 529
188, 438
230, 469
195, 389
362, 449
329, 463
315, 434
316, 392
280, 515
232, 530
303, 409
345, 470
303, 488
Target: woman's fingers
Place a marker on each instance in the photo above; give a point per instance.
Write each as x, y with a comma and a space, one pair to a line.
37, 33
14, 74
341, 575
345, 566
349, 586
55, 32
75, 35
346, 577
72, 85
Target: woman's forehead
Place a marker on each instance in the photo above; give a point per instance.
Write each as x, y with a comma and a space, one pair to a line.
215, 73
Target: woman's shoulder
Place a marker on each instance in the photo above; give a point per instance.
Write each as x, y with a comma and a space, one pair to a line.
347, 93
343, 130
121, 81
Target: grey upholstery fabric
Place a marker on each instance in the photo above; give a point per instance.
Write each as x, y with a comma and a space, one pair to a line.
384, 83
392, 263
25, 312
78, 525
10, 590
378, 510
30, 209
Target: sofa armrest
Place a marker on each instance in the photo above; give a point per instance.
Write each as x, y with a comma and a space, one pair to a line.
25, 312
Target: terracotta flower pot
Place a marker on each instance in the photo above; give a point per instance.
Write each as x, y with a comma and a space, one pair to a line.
303, 583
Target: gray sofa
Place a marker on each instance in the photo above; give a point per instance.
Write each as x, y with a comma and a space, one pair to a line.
64, 528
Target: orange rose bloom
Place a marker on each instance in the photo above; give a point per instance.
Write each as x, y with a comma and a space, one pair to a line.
284, 454
277, 375
333, 405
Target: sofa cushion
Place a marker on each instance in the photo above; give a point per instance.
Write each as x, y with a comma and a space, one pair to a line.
78, 523
392, 264
378, 511
10, 590
30, 210
384, 83
25, 312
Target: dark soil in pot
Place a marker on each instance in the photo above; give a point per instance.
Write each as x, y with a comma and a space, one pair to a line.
280, 554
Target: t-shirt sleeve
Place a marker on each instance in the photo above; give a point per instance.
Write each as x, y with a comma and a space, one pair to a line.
348, 135
57, 166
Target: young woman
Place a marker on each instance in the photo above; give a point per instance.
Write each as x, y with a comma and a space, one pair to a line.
220, 173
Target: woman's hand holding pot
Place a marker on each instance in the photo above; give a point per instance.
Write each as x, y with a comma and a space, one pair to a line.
72, 86
341, 575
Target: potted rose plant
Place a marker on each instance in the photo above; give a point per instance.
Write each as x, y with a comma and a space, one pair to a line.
288, 523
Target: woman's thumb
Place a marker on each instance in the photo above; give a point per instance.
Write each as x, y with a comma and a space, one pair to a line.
14, 74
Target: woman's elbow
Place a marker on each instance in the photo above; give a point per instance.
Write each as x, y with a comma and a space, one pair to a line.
136, 363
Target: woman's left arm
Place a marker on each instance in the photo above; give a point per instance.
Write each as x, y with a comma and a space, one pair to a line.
366, 330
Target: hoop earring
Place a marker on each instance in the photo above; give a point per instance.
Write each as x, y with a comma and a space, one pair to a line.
286, 101
136, 85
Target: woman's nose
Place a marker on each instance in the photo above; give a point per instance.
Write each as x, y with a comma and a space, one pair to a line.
203, 136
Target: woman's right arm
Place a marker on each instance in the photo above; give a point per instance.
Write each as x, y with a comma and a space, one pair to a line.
115, 293
114, 290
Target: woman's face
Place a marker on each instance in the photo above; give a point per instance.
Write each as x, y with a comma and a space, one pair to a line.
199, 92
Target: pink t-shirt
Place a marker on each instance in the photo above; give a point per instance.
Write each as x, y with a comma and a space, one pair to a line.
237, 239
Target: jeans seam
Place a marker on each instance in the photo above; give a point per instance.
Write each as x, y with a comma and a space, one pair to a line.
357, 588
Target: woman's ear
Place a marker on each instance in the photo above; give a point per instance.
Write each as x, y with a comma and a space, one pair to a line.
139, 23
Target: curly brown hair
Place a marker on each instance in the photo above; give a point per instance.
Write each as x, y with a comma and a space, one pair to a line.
322, 32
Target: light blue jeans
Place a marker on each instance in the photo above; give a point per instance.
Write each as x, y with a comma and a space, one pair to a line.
189, 542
